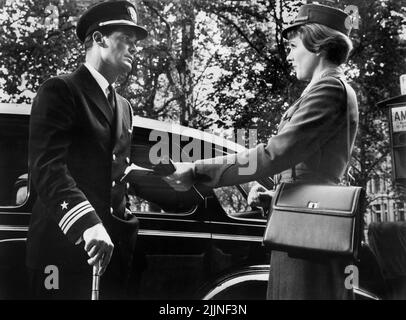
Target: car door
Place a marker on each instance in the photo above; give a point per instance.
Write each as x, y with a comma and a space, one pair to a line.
237, 230
14, 205
190, 239
174, 237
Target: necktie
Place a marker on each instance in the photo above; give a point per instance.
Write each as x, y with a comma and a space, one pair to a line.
110, 98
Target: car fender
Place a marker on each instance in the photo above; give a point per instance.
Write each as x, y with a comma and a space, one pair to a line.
237, 284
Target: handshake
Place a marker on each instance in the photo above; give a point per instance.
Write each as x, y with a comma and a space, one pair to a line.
181, 177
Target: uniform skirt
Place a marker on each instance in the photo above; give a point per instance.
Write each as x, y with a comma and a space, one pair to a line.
308, 278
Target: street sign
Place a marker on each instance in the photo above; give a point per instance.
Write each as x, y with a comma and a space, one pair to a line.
396, 108
399, 119
403, 84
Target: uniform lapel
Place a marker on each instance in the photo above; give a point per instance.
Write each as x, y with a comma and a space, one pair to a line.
94, 93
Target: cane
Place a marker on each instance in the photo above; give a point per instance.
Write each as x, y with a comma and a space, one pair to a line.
95, 282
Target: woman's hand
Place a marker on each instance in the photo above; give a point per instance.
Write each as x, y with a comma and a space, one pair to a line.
260, 197
183, 178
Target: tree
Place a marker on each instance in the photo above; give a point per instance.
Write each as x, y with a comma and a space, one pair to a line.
219, 64
257, 85
37, 41
376, 63
165, 75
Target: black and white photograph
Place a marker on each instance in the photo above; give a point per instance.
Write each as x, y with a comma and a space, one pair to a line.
206, 151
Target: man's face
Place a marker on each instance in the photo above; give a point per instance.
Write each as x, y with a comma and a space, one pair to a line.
119, 50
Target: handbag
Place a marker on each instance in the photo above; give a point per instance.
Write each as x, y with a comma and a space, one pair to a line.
308, 218
316, 219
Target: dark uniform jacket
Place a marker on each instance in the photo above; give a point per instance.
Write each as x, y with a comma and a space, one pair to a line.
78, 149
311, 145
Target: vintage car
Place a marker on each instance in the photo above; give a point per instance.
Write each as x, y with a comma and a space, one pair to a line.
200, 244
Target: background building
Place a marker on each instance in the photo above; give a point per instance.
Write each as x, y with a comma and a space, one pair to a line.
384, 203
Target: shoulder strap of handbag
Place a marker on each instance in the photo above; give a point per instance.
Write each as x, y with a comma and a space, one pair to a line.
346, 173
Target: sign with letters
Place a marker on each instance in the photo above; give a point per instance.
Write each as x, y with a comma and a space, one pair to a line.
399, 119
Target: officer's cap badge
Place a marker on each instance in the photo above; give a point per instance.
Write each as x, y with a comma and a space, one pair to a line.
132, 13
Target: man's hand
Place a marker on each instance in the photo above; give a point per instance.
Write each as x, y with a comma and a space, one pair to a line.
98, 246
260, 197
183, 178
127, 214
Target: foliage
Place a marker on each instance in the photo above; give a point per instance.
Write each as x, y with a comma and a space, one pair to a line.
257, 85
377, 62
33, 48
217, 64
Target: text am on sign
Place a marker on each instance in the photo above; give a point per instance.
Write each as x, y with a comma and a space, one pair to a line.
399, 119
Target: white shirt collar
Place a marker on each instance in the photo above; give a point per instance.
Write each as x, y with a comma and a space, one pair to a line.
103, 83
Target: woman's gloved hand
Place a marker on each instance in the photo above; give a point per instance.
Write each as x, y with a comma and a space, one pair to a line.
260, 197
183, 178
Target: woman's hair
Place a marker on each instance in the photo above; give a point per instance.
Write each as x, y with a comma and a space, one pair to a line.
319, 38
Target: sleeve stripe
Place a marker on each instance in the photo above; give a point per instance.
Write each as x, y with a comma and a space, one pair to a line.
72, 216
72, 211
77, 217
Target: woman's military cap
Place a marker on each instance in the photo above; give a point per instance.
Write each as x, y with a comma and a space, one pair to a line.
316, 13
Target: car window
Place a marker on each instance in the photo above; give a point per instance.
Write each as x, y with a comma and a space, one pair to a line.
13, 162
233, 200
151, 194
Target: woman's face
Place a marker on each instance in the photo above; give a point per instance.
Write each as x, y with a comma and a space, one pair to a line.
303, 61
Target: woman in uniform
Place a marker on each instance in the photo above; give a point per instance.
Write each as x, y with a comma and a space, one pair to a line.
311, 146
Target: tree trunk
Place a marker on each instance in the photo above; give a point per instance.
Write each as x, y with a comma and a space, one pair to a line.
185, 66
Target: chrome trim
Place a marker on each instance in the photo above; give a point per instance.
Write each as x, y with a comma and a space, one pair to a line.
180, 214
247, 219
263, 276
12, 240
170, 219
217, 236
12, 212
240, 224
202, 235
15, 206
13, 228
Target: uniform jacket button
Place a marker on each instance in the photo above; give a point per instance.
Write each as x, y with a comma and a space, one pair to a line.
127, 185
114, 157
113, 184
127, 160
111, 210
